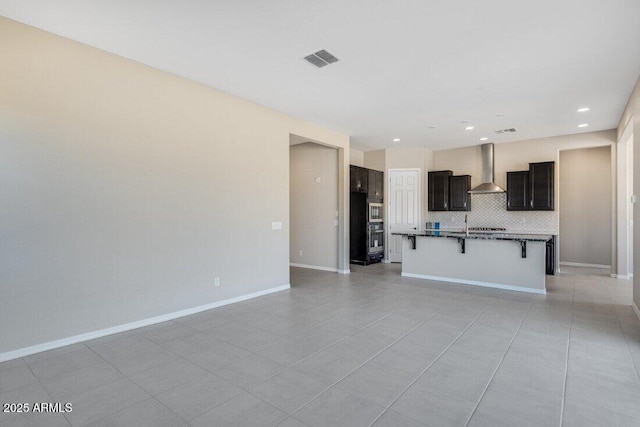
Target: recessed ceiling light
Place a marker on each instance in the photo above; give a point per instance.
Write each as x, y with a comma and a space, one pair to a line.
583, 125
500, 114
396, 139
469, 128
583, 109
484, 138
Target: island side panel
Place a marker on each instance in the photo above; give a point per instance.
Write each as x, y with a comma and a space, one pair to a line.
493, 263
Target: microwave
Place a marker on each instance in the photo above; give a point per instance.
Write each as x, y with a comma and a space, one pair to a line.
375, 212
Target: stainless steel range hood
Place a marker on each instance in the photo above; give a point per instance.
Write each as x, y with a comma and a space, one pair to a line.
487, 186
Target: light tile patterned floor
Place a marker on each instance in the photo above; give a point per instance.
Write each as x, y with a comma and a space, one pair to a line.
370, 348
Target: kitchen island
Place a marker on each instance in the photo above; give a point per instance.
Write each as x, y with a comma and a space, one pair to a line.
498, 260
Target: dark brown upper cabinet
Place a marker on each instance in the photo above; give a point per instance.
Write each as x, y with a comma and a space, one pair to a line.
541, 185
438, 190
359, 179
532, 189
459, 197
376, 185
518, 191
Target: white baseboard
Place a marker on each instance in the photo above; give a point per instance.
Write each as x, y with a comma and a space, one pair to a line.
582, 264
636, 309
315, 267
347, 271
476, 283
621, 276
26, 351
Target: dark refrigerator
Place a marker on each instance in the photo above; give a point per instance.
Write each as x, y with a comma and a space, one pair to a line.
366, 218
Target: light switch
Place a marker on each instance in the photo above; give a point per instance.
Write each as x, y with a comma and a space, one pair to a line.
317, 179
276, 226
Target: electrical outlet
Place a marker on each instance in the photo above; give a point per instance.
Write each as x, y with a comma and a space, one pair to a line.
300, 252
216, 282
318, 179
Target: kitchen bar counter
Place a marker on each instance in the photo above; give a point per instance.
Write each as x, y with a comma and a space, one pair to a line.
501, 260
479, 235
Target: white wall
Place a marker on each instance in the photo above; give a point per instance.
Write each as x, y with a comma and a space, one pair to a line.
585, 206
624, 206
126, 190
631, 117
356, 157
313, 206
375, 160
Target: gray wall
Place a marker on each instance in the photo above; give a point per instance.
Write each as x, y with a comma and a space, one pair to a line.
585, 206
313, 205
126, 190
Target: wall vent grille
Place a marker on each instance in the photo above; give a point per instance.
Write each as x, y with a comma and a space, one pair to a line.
321, 58
509, 130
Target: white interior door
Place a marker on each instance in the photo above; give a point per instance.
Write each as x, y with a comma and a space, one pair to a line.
404, 207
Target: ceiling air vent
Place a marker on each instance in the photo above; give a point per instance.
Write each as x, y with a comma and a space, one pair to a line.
510, 130
321, 58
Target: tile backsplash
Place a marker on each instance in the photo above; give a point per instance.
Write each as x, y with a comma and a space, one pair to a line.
490, 210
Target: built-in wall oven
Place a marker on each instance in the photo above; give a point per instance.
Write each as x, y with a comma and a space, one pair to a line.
375, 242
375, 212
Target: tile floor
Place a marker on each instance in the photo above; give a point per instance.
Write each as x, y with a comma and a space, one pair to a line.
370, 348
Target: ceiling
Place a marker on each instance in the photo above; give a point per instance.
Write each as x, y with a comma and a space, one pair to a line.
403, 66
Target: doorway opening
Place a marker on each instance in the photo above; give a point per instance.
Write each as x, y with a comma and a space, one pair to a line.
313, 206
586, 209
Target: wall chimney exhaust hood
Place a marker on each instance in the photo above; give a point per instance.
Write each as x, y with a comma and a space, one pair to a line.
487, 186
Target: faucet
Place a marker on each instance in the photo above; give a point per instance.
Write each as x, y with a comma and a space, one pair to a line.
466, 225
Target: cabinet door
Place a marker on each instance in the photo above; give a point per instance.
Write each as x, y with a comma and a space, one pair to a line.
359, 179
375, 185
550, 257
438, 189
518, 191
459, 198
541, 185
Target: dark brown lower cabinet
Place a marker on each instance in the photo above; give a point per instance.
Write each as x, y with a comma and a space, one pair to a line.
551, 256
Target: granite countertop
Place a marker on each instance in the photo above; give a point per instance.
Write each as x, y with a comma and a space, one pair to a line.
481, 236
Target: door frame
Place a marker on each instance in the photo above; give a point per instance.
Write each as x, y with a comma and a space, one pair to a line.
387, 228
343, 198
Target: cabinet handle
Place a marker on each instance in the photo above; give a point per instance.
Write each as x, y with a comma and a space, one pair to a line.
531, 204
